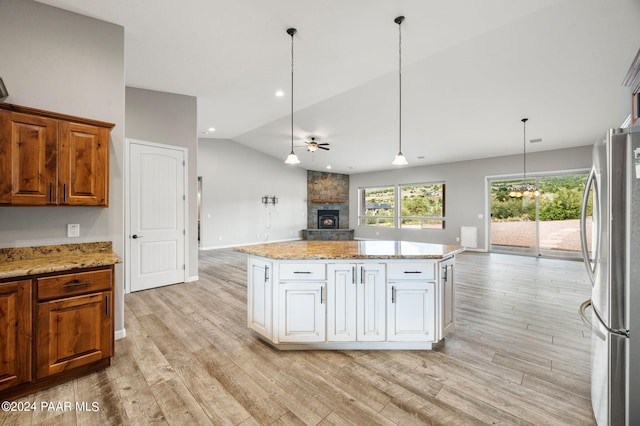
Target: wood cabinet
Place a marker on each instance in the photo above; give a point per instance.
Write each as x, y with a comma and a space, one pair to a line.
15, 333
52, 159
411, 311
259, 297
351, 303
447, 293
356, 302
301, 312
301, 302
75, 328
56, 327
411, 302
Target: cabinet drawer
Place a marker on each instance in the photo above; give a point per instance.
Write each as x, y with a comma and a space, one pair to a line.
411, 271
302, 271
73, 284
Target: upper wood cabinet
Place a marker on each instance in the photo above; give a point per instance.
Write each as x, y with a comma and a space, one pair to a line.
52, 159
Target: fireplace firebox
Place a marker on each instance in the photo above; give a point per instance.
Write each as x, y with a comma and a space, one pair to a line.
328, 219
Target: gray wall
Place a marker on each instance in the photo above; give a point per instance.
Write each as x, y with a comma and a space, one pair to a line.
169, 119
465, 191
234, 179
64, 62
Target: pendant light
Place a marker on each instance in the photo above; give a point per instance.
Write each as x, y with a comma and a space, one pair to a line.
525, 190
400, 159
292, 158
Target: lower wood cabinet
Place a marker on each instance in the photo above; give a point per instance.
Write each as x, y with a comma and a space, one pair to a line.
56, 327
301, 312
411, 311
259, 297
15, 333
356, 302
334, 304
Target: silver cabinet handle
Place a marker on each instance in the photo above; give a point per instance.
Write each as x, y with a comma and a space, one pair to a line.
321, 294
393, 294
266, 273
353, 275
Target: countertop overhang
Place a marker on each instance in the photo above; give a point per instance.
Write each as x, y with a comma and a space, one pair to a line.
355, 249
26, 261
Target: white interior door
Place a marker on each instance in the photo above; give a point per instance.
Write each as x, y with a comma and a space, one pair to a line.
157, 215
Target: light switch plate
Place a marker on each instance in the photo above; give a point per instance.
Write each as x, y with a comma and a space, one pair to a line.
73, 230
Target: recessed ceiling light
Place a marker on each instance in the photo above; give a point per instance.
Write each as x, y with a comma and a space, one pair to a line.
420, 157
279, 93
211, 129
329, 167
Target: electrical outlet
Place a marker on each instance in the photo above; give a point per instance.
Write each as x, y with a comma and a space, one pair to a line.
73, 230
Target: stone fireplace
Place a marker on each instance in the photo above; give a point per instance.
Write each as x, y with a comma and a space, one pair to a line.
327, 207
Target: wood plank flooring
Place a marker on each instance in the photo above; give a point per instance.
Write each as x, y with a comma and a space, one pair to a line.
519, 356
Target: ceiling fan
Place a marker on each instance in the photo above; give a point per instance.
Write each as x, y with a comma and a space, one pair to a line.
313, 145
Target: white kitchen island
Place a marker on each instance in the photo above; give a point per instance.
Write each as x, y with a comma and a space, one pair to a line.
351, 294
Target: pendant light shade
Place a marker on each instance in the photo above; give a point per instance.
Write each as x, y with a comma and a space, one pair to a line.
400, 159
292, 158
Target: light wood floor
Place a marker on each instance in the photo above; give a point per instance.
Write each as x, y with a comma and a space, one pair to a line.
519, 355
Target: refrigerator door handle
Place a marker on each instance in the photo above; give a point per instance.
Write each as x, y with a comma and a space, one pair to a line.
583, 316
591, 182
594, 330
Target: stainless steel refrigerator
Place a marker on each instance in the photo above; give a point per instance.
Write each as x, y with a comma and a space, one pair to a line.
613, 263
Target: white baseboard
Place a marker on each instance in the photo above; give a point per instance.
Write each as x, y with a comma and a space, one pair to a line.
120, 334
193, 278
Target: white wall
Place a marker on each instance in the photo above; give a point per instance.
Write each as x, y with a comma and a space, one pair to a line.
60, 61
234, 179
466, 196
169, 119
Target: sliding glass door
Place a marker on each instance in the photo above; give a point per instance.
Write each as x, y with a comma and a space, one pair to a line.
546, 225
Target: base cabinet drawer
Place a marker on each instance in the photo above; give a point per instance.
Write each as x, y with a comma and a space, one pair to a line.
73, 284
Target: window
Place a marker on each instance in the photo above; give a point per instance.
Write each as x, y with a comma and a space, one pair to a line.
422, 206
377, 206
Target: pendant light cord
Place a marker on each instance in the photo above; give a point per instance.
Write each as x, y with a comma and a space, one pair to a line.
400, 20
292, 31
524, 149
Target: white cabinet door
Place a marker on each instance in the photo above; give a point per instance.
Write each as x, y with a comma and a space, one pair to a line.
301, 312
410, 311
341, 303
370, 306
259, 297
447, 293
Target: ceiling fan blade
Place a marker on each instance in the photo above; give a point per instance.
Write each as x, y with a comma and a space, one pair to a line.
322, 147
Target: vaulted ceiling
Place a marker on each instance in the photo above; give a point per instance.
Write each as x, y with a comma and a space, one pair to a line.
471, 70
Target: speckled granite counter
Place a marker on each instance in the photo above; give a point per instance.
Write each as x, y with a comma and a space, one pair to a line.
370, 249
24, 261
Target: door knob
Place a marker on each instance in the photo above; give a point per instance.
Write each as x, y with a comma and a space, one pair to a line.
134, 236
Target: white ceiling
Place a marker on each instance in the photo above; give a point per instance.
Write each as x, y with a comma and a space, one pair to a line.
471, 70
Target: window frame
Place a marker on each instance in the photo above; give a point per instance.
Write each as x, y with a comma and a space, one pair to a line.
396, 218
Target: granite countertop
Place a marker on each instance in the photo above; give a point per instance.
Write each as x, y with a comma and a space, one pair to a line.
370, 249
25, 261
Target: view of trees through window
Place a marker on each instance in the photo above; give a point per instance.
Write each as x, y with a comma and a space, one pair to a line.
513, 220
421, 206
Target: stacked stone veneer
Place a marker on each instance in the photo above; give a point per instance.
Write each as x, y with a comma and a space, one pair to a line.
331, 187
